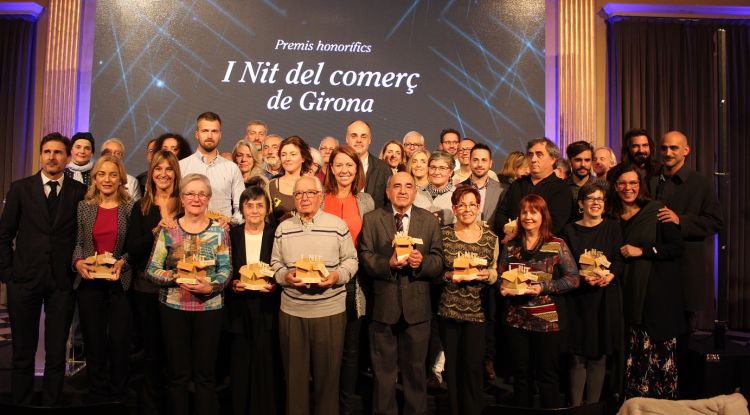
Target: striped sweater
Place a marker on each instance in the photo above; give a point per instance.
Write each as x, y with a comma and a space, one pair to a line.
327, 237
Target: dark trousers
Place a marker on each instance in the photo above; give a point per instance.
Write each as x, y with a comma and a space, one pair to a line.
535, 358
191, 342
151, 395
399, 347
312, 346
350, 362
256, 369
105, 324
25, 303
464, 346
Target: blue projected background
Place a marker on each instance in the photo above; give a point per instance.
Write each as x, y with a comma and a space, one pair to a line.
400, 65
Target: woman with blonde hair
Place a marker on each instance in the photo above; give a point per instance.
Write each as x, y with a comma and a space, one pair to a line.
246, 157
417, 167
103, 302
160, 204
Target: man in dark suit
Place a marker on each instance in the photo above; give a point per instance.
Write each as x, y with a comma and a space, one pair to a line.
691, 204
359, 136
400, 328
40, 214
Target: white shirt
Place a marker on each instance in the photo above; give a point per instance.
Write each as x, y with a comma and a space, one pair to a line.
252, 247
48, 188
226, 183
406, 220
365, 162
134, 189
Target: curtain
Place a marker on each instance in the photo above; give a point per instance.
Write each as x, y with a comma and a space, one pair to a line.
17, 49
662, 76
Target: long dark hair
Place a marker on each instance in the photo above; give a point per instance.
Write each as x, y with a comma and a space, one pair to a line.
331, 186
615, 206
148, 193
185, 150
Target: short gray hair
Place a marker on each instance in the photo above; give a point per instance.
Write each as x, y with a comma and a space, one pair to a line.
318, 185
612, 155
441, 155
116, 141
551, 147
192, 177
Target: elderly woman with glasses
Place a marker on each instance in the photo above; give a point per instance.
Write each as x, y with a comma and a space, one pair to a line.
651, 290
436, 196
595, 309
462, 308
191, 262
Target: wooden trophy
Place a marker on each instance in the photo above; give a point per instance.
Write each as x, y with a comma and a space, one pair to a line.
255, 276
311, 269
593, 264
465, 266
104, 265
517, 280
193, 265
404, 244
510, 227
216, 215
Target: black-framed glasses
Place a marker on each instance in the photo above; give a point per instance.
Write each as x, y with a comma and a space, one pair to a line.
310, 194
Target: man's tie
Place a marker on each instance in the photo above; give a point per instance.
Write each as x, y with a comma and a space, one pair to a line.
52, 199
400, 222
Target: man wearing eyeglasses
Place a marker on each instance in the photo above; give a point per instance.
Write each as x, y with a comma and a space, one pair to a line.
541, 154
312, 318
412, 142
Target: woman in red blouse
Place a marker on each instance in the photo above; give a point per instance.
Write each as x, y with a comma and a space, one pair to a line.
344, 198
102, 301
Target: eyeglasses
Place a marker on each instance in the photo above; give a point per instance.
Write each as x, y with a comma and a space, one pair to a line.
410, 145
192, 196
465, 150
310, 194
624, 184
594, 199
464, 206
441, 169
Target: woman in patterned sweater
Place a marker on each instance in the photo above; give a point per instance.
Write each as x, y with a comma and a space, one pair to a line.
463, 302
191, 311
533, 318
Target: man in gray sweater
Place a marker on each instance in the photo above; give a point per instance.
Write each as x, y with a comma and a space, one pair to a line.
312, 319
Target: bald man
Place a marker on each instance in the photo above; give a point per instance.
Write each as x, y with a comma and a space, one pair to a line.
377, 173
692, 205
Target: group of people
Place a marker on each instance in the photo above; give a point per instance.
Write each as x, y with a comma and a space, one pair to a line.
359, 256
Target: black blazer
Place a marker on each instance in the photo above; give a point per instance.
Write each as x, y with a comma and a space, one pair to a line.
249, 308
376, 180
41, 247
84, 246
406, 292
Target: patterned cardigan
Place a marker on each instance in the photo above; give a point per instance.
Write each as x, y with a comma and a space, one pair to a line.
85, 241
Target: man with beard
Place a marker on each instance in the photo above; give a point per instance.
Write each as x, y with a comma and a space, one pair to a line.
449, 139
226, 180
638, 148
40, 215
579, 155
692, 205
256, 133
481, 179
270, 154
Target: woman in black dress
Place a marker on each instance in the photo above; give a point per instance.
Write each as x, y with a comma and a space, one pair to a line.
651, 290
595, 309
